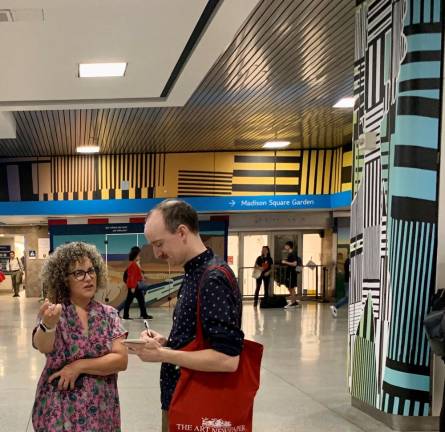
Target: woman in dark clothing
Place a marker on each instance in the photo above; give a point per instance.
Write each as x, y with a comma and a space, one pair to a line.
135, 281
264, 262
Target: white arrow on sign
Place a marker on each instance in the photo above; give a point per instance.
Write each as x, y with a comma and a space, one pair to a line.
232, 203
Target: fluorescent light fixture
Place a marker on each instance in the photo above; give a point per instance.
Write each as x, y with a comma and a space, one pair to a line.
96, 70
276, 144
346, 102
88, 149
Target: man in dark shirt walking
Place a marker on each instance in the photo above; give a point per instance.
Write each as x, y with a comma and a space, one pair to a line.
172, 229
293, 267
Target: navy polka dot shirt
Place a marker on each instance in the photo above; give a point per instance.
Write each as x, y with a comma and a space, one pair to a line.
220, 305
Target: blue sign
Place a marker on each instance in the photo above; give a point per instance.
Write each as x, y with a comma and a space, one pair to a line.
201, 204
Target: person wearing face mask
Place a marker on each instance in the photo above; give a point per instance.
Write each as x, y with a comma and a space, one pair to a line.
135, 284
173, 230
81, 340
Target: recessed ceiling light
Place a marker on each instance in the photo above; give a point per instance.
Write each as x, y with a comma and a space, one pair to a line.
276, 144
88, 149
96, 70
346, 102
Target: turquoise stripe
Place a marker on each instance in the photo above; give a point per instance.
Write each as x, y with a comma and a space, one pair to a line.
421, 265
415, 280
416, 12
422, 303
408, 14
396, 289
401, 290
424, 42
406, 380
425, 345
417, 131
426, 409
416, 408
406, 408
395, 408
386, 402
427, 11
408, 290
417, 70
413, 183
431, 94
436, 17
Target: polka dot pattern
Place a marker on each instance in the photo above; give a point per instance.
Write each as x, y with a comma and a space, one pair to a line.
220, 307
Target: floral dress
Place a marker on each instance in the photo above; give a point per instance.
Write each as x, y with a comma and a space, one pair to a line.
93, 406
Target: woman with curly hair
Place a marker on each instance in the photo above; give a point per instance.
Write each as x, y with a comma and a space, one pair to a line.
81, 339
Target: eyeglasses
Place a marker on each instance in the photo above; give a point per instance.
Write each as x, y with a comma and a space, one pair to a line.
80, 274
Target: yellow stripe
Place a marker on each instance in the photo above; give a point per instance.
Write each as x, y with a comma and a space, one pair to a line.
303, 189
340, 157
105, 194
253, 180
288, 180
347, 159
346, 187
289, 153
311, 190
327, 172
144, 193
118, 193
320, 173
288, 166
132, 193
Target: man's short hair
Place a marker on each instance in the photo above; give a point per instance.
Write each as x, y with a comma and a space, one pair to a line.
290, 244
177, 212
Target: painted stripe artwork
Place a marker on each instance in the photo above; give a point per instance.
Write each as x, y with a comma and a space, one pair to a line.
135, 176
394, 209
204, 183
274, 174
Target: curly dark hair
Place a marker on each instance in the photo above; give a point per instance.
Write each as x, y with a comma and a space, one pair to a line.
58, 264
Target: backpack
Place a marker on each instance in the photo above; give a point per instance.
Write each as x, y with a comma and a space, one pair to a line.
125, 276
434, 324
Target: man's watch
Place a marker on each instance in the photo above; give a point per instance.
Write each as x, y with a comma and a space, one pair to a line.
45, 328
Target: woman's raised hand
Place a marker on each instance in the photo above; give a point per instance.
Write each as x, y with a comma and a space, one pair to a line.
50, 313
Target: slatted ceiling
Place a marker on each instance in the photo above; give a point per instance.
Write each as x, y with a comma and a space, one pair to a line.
288, 64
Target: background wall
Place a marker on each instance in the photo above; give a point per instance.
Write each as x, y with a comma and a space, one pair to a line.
175, 174
394, 211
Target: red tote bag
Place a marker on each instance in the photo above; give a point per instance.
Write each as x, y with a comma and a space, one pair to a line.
216, 401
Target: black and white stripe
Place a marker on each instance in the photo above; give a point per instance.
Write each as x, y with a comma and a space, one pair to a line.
354, 315
372, 203
372, 287
379, 18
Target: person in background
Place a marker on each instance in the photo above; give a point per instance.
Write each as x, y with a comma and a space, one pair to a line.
293, 267
135, 284
263, 262
81, 340
14, 266
344, 300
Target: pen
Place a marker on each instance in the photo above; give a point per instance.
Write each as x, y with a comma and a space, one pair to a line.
148, 328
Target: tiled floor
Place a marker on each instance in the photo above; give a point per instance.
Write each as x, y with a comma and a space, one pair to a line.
303, 384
